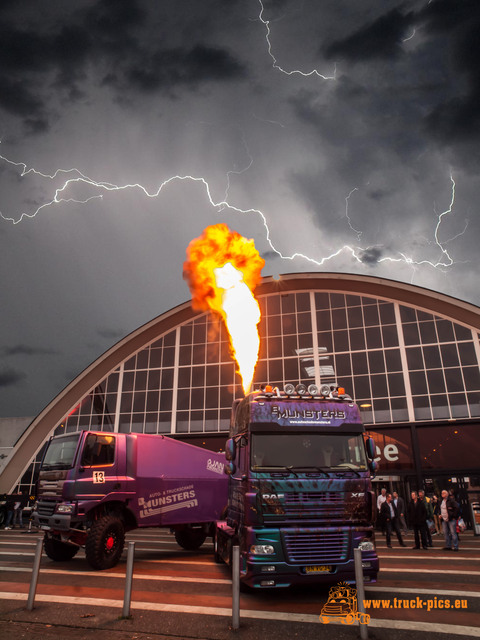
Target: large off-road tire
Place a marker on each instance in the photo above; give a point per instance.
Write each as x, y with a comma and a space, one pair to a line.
58, 550
216, 556
190, 539
105, 542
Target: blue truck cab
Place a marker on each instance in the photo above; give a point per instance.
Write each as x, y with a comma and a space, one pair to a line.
300, 498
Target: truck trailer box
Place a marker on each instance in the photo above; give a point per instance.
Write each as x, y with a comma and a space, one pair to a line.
176, 482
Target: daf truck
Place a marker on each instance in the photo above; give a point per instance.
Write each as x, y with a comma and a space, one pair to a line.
300, 498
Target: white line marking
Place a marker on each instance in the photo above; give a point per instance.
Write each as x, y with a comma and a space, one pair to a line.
422, 558
437, 592
439, 572
472, 632
137, 576
141, 576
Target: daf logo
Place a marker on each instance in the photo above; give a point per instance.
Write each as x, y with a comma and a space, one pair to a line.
358, 495
272, 496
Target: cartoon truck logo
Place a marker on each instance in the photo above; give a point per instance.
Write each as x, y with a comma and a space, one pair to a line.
342, 605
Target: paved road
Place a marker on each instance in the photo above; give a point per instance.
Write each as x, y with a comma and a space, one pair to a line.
185, 594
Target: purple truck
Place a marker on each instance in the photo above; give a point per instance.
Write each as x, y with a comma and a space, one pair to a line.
300, 493
95, 486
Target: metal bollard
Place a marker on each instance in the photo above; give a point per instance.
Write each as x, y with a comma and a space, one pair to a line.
236, 587
128, 580
36, 569
357, 553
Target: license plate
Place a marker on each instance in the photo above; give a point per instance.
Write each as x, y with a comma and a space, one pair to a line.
45, 527
323, 568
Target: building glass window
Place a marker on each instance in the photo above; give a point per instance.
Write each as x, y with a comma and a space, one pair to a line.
185, 381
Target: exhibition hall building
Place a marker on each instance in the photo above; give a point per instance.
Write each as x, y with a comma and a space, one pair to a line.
408, 356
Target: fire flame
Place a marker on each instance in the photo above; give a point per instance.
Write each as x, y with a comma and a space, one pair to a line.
222, 270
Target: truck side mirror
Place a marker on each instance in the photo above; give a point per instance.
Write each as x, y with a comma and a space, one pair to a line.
370, 445
230, 468
373, 466
230, 449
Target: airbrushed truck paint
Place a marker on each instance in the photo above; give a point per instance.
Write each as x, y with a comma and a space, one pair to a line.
258, 512
158, 480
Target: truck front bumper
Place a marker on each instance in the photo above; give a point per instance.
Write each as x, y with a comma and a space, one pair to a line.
54, 522
306, 556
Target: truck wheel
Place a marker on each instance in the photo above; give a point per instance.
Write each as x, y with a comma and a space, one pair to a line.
105, 541
216, 556
190, 539
58, 550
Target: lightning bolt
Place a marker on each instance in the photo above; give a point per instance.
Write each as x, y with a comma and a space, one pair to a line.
357, 253
347, 216
275, 65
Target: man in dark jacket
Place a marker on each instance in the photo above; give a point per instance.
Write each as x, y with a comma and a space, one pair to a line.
400, 505
417, 517
390, 518
428, 507
449, 511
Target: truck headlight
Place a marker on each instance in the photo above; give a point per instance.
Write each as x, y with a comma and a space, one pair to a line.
366, 545
64, 508
262, 550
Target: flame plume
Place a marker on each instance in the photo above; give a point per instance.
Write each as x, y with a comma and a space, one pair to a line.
222, 270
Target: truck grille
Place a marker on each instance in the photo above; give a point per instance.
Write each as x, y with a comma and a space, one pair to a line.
46, 509
316, 547
324, 504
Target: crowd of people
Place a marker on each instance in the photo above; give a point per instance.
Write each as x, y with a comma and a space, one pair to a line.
425, 516
13, 510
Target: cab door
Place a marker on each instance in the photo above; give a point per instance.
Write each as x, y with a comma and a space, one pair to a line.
98, 469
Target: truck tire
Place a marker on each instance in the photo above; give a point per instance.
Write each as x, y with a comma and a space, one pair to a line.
216, 556
58, 550
190, 539
105, 542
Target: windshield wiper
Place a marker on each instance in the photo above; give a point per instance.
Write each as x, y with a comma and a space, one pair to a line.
310, 468
56, 465
275, 469
347, 466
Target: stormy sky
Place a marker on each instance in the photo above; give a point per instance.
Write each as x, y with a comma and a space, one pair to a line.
341, 135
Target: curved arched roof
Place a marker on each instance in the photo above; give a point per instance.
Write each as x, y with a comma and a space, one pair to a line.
425, 299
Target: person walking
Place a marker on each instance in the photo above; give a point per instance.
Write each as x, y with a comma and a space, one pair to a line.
436, 513
417, 517
389, 515
449, 513
18, 507
10, 502
429, 509
380, 500
399, 504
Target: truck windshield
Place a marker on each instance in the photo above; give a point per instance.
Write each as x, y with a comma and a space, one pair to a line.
308, 451
60, 452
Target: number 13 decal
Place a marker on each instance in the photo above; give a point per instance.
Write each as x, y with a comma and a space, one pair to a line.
98, 477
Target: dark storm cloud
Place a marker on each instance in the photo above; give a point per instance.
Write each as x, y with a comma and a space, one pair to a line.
26, 350
371, 256
169, 68
379, 39
458, 24
108, 38
10, 377
269, 255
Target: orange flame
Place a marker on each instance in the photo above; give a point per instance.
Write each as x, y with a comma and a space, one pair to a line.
222, 270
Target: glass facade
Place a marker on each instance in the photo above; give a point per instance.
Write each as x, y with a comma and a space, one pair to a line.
399, 363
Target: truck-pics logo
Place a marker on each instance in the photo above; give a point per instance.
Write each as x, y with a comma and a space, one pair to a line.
215, 466
342, 605
168, 500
